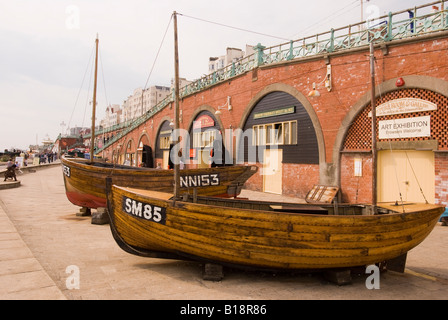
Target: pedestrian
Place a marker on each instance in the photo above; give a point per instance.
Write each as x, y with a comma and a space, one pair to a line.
9, 164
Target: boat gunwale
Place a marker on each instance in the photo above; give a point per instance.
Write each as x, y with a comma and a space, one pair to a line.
286, 214
124, 170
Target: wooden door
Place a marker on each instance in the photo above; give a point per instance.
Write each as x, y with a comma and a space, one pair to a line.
272, 171
203, 158
406, 172
166, 158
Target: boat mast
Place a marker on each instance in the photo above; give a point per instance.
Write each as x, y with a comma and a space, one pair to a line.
92, 143
374, 137
176, 112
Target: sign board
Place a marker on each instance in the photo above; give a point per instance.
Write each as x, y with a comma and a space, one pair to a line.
204, 122
274, 113
404, 106
322, 194
417, 127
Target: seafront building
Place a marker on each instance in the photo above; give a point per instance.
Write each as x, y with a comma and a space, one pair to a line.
301, 111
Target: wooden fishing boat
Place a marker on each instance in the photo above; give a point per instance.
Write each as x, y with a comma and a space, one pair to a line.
240, 233
85, 182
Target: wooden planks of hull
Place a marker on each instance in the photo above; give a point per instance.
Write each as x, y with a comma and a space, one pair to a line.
270, 239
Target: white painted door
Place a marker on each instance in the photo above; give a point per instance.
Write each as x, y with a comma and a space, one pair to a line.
272, 171
406, 172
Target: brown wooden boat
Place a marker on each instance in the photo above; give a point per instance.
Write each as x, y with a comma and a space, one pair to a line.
265, 235
85, 182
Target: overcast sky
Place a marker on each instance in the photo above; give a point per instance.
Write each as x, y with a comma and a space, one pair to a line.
46, 47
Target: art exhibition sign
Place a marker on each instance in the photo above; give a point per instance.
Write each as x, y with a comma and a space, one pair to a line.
416, 127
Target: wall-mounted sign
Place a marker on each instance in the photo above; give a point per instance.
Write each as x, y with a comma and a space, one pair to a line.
404, 106
405, 128
358, 167
203, 122
275, 113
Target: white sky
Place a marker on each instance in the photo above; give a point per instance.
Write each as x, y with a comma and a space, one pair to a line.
45, 47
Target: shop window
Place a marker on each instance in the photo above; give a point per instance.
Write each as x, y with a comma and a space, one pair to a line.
165, 143
281, 133
204, 139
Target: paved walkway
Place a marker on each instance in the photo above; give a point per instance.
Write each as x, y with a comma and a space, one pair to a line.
47, 252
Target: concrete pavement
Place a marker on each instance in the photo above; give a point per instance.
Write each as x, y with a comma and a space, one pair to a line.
47, 252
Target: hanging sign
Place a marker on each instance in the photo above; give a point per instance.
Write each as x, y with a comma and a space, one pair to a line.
275, 113
417, 127
404, 106
203, 122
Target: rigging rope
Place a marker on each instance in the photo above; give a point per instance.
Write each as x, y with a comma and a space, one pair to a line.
415, 176
231, 27
80, 89
104, 79
158, 52
87, 97
395, 167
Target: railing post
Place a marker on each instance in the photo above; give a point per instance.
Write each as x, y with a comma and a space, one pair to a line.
291, 51
331, 49
389, 28
444, 16
259, 54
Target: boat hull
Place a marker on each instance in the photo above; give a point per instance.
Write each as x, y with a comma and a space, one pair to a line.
85, 184
263, 239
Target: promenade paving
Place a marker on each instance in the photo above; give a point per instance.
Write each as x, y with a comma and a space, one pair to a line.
47, 252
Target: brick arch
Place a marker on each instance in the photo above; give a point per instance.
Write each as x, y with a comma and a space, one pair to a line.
132, 151
202, 108
144, 138
309, 109
159, 126
422, 83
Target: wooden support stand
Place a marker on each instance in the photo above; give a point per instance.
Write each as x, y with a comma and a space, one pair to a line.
100, 217
84, 212
340, 277
212, 272
398, 264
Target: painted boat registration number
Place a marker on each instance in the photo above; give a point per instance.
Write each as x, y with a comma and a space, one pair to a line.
144, 211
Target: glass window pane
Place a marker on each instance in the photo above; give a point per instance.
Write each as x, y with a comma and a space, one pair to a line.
268, 134
255, 135
286, 133
278, 134
294, 132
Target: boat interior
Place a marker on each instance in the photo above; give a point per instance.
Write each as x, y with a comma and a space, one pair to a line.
287, 208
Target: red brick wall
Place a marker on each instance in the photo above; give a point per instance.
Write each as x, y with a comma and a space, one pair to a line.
298, 180
356, 189
441, 166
